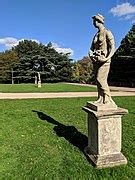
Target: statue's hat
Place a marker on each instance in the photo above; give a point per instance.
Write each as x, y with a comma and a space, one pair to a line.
99, 17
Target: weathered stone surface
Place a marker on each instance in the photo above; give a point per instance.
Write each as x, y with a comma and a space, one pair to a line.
106, 160
104, 137
101, 106
104, 117
101, 51
98, 114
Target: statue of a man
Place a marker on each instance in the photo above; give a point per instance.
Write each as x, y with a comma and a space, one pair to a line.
101, 51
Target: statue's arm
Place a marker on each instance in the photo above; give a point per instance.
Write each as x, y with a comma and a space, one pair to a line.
111, 44
91, 50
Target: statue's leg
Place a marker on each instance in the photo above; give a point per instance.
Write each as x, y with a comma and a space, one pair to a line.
102, 82
99, 89
100, 94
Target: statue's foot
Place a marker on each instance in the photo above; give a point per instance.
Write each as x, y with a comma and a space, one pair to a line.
108, 100
111, 100
99, 100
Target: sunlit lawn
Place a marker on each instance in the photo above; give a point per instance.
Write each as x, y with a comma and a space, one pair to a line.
48, 87
45, 138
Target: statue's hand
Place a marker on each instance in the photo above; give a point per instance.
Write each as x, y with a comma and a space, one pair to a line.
93, 58
101, 59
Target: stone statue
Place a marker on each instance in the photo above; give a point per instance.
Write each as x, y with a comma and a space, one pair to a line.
101, 51
39, 80
104, 117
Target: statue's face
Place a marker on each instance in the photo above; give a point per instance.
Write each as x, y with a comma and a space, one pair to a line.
95, 23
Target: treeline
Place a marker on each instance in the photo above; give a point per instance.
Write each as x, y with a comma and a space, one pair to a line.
22, 62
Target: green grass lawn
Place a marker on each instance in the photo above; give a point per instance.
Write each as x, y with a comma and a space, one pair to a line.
45, 138
48, 87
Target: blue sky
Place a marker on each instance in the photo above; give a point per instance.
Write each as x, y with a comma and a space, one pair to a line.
66, 23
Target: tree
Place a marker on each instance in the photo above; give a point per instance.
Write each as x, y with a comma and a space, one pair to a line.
27, 51
122, 71
8, 59
35, 57
83, 70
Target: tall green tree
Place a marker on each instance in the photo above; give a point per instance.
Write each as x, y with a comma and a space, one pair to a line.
35, 57
122, 71
27, 51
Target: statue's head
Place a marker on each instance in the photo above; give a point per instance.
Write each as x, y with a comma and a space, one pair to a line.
98, 19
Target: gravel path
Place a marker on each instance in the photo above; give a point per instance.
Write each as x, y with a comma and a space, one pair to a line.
58, 95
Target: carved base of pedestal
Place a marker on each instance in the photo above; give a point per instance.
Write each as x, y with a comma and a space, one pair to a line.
106, 160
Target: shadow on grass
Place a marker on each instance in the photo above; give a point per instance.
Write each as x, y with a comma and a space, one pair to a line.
70, 133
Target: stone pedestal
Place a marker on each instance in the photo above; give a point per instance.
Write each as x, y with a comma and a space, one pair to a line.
102, 107
39, 84
104, 136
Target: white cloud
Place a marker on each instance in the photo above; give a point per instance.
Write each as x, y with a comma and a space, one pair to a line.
10, 42
62, 50
123, 9
130, 16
